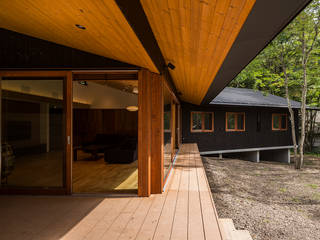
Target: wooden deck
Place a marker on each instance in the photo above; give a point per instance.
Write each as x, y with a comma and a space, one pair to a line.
184, 211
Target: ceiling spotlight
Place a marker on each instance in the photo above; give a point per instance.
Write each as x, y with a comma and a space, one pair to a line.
83, 83
171, 66
80, 27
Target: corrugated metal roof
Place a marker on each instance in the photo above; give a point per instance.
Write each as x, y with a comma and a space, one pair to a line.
250, 97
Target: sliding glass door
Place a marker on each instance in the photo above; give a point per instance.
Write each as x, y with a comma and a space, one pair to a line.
33, 133
171, 130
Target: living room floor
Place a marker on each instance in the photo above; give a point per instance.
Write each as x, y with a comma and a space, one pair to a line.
37, 170
97, 176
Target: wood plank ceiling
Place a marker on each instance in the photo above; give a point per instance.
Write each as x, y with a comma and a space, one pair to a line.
107, 32
196, 36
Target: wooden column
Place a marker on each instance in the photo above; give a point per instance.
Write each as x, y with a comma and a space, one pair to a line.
144, 133
179, 125
173, 129
68, 133
157, 134
0, 127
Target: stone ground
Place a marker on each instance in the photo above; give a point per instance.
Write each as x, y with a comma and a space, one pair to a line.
271, 200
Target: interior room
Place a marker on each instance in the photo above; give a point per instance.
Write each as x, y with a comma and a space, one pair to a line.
32, 133
105, 136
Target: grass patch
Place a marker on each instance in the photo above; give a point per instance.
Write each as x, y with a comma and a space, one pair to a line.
314, 153
283, 190
296, 200
316, 196
313, 186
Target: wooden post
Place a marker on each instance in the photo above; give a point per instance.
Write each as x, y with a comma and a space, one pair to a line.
144, 133
157, 134
173, 129
68, 130
0, 128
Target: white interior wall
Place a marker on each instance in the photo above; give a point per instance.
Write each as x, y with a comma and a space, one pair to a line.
96, 95
103, 97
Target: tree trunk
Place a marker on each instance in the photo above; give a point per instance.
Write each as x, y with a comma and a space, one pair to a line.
303, 117
293, 127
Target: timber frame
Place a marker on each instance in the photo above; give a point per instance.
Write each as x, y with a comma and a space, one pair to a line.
150, 124
67, 89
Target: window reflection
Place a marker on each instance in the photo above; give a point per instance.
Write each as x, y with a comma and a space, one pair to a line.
32, 133
167, 146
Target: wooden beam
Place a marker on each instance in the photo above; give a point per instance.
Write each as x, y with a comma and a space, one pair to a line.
13, 74
195, 36
136, 17
133, 12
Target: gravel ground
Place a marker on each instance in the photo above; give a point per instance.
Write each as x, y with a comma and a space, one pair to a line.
271, 200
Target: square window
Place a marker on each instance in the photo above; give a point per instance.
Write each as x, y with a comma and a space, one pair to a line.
235, 121
196, 121
279, 121
201, 122
231, 121
207, 121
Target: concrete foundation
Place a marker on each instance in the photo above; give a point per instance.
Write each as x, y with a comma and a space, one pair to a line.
281, 155
251, 156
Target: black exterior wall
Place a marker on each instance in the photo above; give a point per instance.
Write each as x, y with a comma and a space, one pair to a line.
19, 51
219, 139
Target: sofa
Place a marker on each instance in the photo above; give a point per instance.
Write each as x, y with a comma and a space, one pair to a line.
116, 148
123, 153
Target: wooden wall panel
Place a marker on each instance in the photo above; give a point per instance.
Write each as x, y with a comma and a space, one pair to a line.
107, 31
87, 123
196, 36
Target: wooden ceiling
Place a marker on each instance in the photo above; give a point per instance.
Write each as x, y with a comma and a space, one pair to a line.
107, 32
196, 36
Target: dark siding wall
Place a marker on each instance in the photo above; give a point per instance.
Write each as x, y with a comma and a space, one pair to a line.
22, 51
222, 140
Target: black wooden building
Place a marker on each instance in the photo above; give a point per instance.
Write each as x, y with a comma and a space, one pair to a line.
239, 120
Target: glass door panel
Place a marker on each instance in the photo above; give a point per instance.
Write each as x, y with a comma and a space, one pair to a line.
32, 133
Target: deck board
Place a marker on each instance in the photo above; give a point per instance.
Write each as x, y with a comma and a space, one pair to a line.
184, 211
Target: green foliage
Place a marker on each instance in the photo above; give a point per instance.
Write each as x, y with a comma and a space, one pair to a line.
265, 72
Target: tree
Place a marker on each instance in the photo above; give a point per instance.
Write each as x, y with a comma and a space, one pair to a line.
289, 67
286, 53
307, 25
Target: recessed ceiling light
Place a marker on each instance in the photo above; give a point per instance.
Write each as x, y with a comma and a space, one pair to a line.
80, 26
